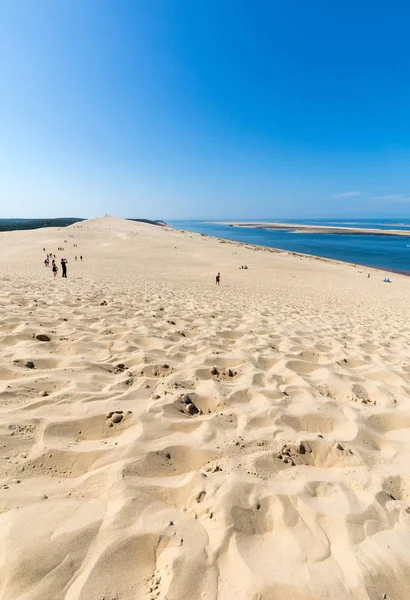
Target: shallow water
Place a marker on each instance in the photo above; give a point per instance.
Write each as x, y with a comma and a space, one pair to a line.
383, 251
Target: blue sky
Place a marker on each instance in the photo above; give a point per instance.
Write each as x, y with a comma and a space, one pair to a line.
204, 109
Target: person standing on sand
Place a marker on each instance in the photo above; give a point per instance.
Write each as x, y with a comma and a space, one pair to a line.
54, 267
218, 278
81, 258
64, 267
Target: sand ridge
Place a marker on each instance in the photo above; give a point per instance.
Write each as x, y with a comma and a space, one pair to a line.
176, 440
319, 228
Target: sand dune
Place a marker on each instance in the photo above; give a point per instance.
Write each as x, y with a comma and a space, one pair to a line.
175, 440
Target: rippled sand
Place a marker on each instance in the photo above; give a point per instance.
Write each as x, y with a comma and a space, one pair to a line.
258, 441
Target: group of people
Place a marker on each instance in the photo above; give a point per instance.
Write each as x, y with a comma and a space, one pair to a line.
54, 268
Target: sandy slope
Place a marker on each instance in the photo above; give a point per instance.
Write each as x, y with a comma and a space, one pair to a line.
292, 482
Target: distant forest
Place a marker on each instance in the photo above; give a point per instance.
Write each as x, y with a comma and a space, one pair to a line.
161, 223
21, 224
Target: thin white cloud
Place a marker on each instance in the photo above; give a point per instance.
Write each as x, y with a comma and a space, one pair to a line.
347, 195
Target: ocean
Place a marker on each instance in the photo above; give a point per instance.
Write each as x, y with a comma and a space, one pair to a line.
382, 251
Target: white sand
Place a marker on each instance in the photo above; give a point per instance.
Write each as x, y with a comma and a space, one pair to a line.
225, 504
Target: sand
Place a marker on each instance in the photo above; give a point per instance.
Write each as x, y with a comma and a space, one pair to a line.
260, 448
318, 228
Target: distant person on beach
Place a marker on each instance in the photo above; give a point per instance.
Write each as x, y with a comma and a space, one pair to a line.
218, 278
75, 257
46, 262
54, 268
64, 267
81, 258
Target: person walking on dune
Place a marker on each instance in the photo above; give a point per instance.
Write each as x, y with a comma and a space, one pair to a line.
64, 267
54, 267
218, 278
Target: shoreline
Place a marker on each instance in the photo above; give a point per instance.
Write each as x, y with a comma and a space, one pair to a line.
320, 229
273, 249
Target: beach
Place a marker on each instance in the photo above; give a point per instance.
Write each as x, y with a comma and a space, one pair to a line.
165, 438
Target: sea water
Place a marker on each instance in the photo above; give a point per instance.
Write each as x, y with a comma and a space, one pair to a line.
383, 251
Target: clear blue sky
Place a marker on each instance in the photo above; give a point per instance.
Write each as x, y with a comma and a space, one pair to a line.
204, 108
